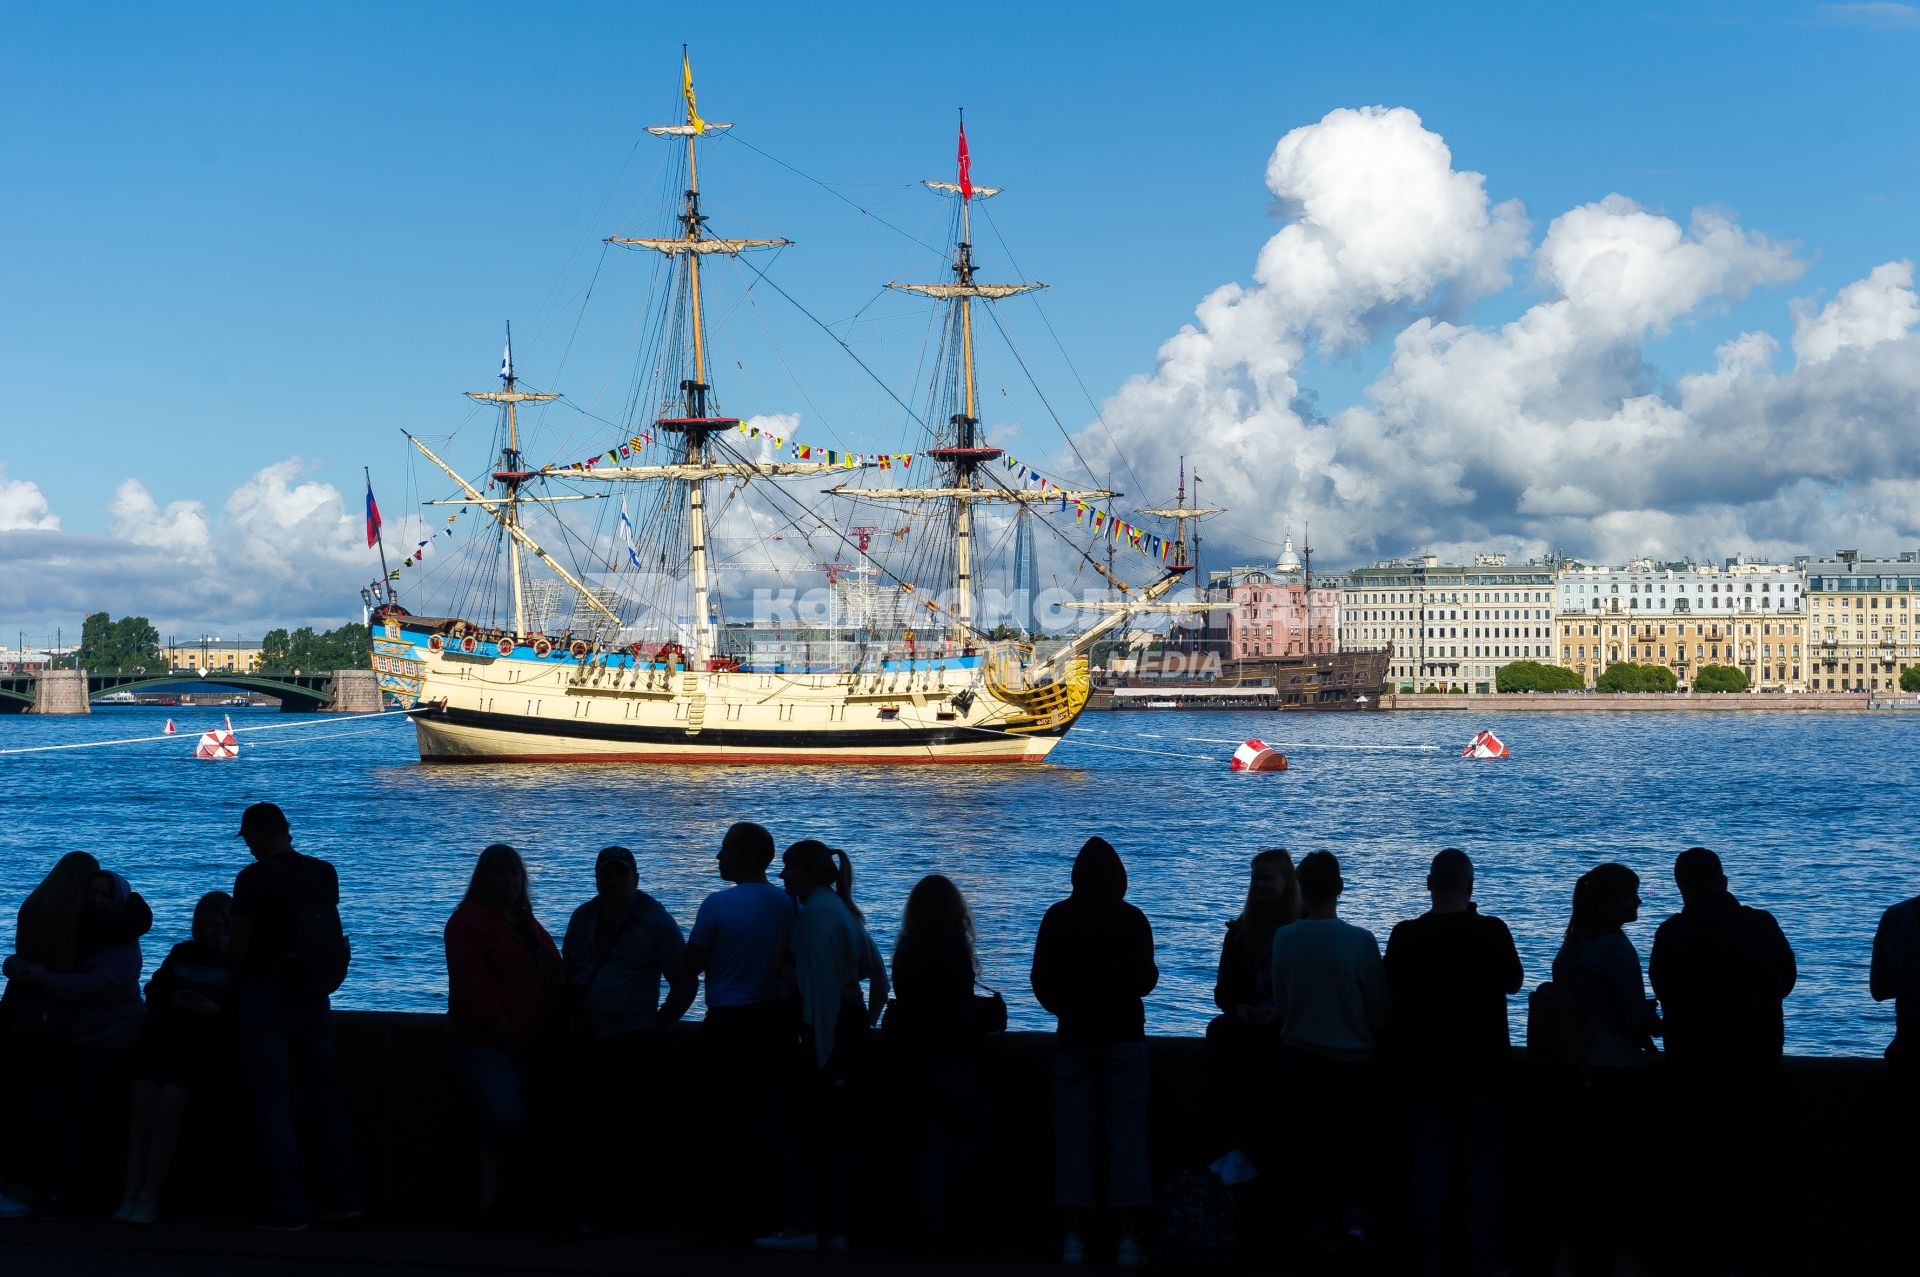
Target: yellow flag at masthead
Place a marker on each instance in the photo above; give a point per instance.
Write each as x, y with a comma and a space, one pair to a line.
686, 88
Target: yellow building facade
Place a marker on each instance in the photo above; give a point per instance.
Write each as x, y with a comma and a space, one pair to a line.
1862, 621
1770, 648
226, 655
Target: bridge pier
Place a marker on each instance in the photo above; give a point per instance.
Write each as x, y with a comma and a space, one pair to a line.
60, 692
356, 692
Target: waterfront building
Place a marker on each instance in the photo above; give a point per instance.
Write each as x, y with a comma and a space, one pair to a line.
1860, 620
1276, 611
20, 660
196, 654
1751, 616
1451, 625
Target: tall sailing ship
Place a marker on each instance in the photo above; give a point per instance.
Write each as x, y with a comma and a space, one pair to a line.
921, 681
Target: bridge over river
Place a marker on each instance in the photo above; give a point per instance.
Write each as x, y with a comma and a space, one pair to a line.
72, 691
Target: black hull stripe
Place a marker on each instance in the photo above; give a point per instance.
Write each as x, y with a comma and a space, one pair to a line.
729, 738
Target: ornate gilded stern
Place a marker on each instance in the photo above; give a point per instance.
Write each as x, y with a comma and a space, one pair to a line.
1049, 707
394, 668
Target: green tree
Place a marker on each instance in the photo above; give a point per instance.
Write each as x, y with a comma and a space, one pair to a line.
344, 648
1719, 678
1536, 676
1910, 679
128, 643
1625, 676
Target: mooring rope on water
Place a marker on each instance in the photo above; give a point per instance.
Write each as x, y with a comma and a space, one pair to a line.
1080, 739
1296, 744
329, 721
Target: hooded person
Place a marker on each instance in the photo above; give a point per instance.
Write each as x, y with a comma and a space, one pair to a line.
1092, 968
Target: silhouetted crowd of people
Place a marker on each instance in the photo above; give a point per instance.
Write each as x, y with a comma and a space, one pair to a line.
1324, 1044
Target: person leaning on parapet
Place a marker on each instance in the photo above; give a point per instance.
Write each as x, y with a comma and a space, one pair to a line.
504, 977
1896, 974
739, 937
1598, 965
1721, 971
832, 953
1330, 995
1243, 1041
618, 947
73, 1014
1449, 972
185, 1044
934, 1032
289, 954
1092, 968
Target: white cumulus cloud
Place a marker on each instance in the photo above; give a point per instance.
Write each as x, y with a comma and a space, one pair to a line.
23, 507
1548, 428
1865, 313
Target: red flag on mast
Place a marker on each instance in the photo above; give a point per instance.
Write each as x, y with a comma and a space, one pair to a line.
966, 165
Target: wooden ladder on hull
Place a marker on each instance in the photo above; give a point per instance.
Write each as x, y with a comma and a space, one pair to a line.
696, 702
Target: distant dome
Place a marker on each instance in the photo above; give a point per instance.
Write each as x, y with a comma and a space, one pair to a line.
1288, 559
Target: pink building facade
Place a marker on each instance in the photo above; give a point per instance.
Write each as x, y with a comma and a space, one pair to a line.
1275, 612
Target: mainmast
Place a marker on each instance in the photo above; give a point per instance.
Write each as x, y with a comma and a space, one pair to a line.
693, 423
512, 472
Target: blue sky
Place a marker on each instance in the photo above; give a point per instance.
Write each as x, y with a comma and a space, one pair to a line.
239, 234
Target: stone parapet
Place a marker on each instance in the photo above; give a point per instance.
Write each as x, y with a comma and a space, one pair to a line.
1655, 702
60, 692
1829, 1127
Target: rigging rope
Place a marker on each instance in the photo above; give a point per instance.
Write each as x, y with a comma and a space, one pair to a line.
328, 721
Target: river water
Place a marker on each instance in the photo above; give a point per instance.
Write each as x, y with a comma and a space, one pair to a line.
1813, 814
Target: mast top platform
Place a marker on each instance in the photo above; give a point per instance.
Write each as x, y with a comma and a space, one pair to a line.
693, 425
965, 454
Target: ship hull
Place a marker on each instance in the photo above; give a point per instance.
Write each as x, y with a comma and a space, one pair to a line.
499, 702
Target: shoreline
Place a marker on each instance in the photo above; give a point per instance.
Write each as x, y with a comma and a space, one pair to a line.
1652, 702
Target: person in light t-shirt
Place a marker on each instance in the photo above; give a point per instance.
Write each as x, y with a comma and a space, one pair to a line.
1330, 997
738, 939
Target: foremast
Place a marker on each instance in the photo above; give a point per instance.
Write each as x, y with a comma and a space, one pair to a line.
512, 472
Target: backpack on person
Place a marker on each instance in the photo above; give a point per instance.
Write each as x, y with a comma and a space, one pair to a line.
321, 951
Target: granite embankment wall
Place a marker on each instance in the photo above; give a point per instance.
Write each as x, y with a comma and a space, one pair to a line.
417, 1150
1656, 702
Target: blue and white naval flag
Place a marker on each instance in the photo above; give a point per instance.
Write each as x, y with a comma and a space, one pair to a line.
626, 534
506, 360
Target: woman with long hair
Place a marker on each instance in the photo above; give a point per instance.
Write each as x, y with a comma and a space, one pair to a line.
73, 1014
935, 1033
1243, 987
503, 982
831, 953
1599, 967
1243, 1041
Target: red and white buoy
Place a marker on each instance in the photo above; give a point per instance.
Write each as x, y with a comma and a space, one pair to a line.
171, 729
217, 744
1258, 756
1486, 745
